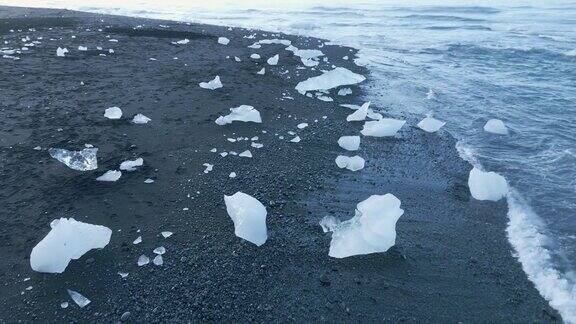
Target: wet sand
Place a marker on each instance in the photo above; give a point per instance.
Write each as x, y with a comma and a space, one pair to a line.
451, 263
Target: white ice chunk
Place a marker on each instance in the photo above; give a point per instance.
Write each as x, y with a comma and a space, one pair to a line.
61, 52
371, 230
182, 42
223, 40
302, 125
84, 160
110, 176
496, 126
166, 234
232, 175
246, 153
131, 165
430, 124
383, 127
487, 185
255, 56
249, 217
329, 223
159, 250
113, 113
243, 113
143, 260
273, 60
67, 240
349, 143
212, 84
354, 163
257, 145
82, 48
344, 91
78, 299
140, 119
360, 114
208, 166
138, 240
262, 71
149, 180
296, 139
158, 260
330, 79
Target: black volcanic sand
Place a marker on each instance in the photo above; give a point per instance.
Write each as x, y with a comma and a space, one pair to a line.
451, 263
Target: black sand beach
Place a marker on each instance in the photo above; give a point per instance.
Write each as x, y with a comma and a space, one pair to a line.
451, 262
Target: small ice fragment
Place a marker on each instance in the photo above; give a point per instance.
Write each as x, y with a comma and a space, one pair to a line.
349, 143
237, 59
302, 125
383, 127
296, 139
273, 60
138, 240
330, 79
344, 91
360, 114
61, 52
208, 166
223, 154
113, 113
123, 274
166, 234
232, 175
78, 298
38, 148
246, 153
64, 305
249, 217
82, 48
354, 163
84, 160
371, 230
110, 176
159, 250
430, 124
257, 145
143, 260
262, 71
255, 56
223, 40
496, 126
140, 119
67, 240
487, 185
242, 113
158, 260
329, 223
131, 165
149, 180
182, 42
212, 84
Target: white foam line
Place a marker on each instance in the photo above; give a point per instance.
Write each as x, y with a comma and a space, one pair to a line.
525, 233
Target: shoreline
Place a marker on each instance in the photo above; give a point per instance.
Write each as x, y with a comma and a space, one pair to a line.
212, 274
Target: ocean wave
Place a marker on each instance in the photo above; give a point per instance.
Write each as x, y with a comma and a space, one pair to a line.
506, 52
441, 18
484, 28
451, 9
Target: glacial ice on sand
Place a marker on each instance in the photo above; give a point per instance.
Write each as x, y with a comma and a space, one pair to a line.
78, 298
296, 139
113, 113
383, 127
61, 52
242, 113
82, 48
158, 260
110, 176
166, 234
496, 126
182, 42
212, 84
330, 79
159, 250
349, 143
487, 185
143, 260
249, 217
67, 240
140, 119
208, 166
329, 223
223, 40
430, 125
302, 125
273, 60
360, 114
246, 153
371, 230
354, 163
131, 165
262, 71
84, 160
344, 91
